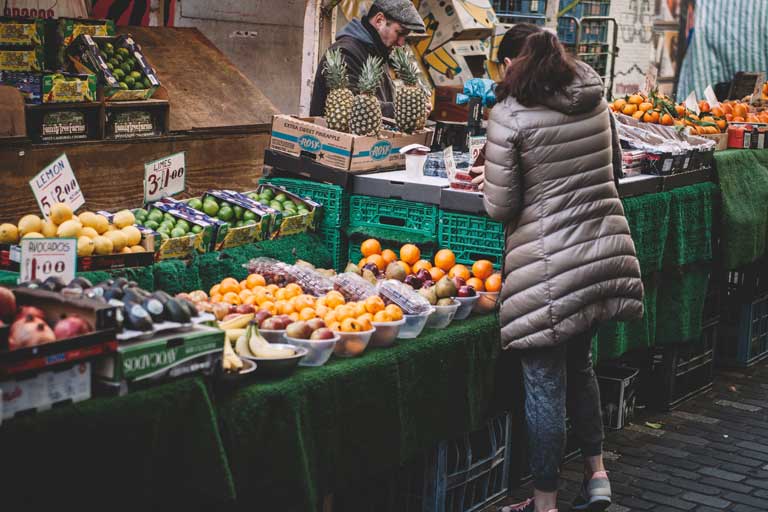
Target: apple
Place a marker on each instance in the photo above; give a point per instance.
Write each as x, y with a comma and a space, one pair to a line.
316, 323
424, 275
261, 315
232, 308
244, 309
466, 291
414, 282
459, 282
230, 316
299, 330
373, 268
429, 283
272, 324
323, 333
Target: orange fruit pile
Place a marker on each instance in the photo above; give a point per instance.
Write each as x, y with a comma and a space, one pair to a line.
658, 109
342, 316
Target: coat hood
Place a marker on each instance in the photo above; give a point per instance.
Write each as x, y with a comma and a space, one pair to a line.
356, 30
583, 95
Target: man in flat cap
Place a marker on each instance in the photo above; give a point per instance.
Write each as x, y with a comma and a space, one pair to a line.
386, 26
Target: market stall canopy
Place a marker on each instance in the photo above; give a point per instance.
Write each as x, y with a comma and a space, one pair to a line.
205, 89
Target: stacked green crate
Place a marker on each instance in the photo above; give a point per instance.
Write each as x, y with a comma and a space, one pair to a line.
471, 237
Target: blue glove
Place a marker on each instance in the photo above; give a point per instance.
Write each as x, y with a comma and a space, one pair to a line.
478, 88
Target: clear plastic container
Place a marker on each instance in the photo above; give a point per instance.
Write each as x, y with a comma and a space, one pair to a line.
310, 281
386, 333
443, 316
404, 296
318, 351
466, 304
274, 336
273, 271
486, 302
352, 344
413, 326
353, 287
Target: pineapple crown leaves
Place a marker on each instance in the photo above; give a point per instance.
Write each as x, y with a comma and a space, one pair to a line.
370, 75
335, 70
404, 67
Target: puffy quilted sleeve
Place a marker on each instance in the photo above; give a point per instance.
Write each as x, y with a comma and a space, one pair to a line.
503, 188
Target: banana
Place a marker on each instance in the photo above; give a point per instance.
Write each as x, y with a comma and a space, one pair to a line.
230, 361
238, 322
233, 334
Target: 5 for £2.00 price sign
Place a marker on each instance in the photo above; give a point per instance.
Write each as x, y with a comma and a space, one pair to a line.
164, 177
57, 184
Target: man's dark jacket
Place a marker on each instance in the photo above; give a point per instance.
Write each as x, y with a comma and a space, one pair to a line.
357, 41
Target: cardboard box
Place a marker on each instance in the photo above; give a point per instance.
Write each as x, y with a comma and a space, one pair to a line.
187, 246
40, 392
283, 225
69, 29
53, 122
457, 20
456, 62
491, 65
21, 58
236, 236
22, 31
131, 120
166, 356
311, 138
721, 140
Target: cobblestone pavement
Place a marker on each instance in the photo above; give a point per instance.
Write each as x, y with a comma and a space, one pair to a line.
710, 454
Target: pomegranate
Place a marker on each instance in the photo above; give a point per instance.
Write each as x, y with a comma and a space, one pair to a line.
30, 311
71, 326
7, 303
29, 331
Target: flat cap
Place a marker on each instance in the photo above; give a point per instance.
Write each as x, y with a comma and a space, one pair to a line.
403, 12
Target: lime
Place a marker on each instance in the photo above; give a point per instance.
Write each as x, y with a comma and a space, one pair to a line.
151, 224
164, 236
123, 51
288, 213
109, 48
125, 66
195, 203
140, 212
177, 232
119, 58
254, 196
163, 229
110, 66
248, 215
226, 213
268, 193
196, 229
166, 226
238, 211
281, 197
136, 75
123, 86
168, 216
182, 224
156, 216
115, 63
277, 205
137, 86
119, 73
129, 80
211, 208
238, 224
147, 83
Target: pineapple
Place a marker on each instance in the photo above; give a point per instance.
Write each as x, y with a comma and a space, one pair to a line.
365, 118
410, 102
338, 103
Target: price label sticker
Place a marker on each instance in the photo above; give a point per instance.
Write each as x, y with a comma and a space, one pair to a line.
164, 177
691, 103
42, 258
57, 184
450, 163
709, 94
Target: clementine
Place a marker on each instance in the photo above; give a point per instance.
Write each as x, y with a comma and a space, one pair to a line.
437, 273
254, 280
410, 254
377, 260
229, 284
370, 247
394, 312
389, 256
476, 283
374, 304
459, 271
421, 264
493, 283
445, 259
405, 266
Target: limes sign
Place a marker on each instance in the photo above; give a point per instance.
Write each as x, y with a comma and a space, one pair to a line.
164, 177
42, 258
57, 184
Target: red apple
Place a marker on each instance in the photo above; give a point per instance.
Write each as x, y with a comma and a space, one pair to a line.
244, 309
261, 315
424, 275
299, 330
459, 282
323, 334
316, 323
272, 324
466, 291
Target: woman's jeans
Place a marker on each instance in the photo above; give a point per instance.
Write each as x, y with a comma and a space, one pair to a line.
551, 374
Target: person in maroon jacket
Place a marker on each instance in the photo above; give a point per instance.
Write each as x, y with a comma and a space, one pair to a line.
386, 26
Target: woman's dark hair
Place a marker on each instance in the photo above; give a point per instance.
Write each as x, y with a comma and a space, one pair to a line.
542, 69
512, 43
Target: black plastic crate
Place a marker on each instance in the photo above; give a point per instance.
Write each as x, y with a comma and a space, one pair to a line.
748, 282
618, 393
744, 334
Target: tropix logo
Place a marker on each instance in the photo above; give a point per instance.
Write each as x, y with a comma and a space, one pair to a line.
380, 150
309, 143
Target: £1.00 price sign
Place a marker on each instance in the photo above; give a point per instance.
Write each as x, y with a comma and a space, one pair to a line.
42, 258
57, 184
164, 177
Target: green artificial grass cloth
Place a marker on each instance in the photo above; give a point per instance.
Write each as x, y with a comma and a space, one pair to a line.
690, 224
648, 218
292, 441
680, 304
158, 447
144, 276
743, 176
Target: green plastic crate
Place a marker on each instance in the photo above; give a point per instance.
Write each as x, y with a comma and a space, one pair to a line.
333, 198
336, 242
427, 249
472, 237
404, 216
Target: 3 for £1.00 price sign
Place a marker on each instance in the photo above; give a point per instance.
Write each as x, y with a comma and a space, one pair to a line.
164, 177
57, 184
42, 258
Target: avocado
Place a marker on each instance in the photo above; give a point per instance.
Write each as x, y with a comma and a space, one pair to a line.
175, 312
155, 308
137, 318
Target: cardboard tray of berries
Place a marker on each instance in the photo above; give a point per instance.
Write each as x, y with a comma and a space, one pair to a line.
90, 331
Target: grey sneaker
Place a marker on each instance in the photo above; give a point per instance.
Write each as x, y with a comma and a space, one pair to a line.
595, 494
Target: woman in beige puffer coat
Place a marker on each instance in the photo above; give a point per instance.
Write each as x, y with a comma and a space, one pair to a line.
569, 259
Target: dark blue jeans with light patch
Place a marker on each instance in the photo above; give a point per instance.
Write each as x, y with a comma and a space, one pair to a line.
555, 378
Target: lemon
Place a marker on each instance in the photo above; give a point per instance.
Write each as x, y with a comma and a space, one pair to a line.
88, 219
118, 240
102, 245
89, 232
69, 229
9, 234
85, 246
101, 224
33, 234
124, 218
138, 248
126, 250
132, 235
60, 213
30, 223
49, 229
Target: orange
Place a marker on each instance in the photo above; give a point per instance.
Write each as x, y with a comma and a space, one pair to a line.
445, 259
374, 304
293, 289
351, 325
717, 111
493, 283
680, 109
394, 312
330, 317
320, 302
651, 116
216, 298
727, 108
284, 307
365, 322
294, 317
722, 124
629, 109
638, 115
358, 308
307, 314
482, 269
410, 254
636, 99
214, 290
703, 106
269, 306
377, 260
389, 256
304, 301
737, 119
282, 294
740, 110
381, 316
645, 106
272, 288
437, 273
370, 247
232, 298
263, 298
459, 271
334, 298
752, 118
361, 264
476, 283
421, 264
245, 294
251, 300
344, 312
619, 104
254, 280
242, 285
405, 266
321, 311
667, 120
334, 326
229, 284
